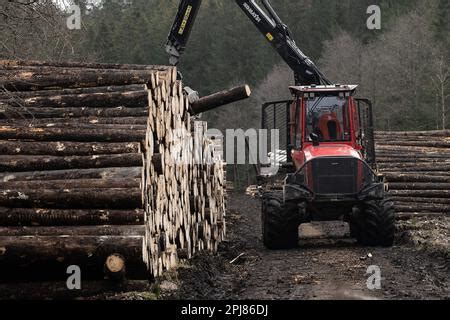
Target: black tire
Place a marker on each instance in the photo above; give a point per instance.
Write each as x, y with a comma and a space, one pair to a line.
376, 225
354, 229
280, 222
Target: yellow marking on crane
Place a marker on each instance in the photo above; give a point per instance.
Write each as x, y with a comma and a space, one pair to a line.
269, 36
185, 20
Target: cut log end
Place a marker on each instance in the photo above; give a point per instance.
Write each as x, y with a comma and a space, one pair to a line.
115, 267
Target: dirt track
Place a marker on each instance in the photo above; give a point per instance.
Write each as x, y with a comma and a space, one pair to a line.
327, 264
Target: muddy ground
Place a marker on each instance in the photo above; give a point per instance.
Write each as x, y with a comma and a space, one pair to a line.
327, 264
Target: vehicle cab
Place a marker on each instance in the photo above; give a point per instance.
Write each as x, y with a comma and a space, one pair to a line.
324, 122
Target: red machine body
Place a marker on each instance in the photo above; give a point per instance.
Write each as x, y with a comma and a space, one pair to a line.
349, 128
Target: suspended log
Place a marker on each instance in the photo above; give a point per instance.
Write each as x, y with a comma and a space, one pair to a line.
100, 173
7, 112
63, 134
129, 99
71, 217
49, 257
73, 184
75, 198
219, 99
47, 93
19, 163
66, 148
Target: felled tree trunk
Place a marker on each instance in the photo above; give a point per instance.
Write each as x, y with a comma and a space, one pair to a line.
219, 99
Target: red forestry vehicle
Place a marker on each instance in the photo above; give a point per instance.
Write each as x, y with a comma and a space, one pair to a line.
326, 156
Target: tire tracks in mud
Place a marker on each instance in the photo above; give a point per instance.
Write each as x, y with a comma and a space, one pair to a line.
329, 265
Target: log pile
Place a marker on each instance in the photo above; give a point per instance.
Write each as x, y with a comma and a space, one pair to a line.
417, 167
103, 166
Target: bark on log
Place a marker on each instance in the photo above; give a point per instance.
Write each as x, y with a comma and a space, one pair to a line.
415, 177
71, 217
406, 199
412, 160
385, 157
412, 215
18, 64
75, 198
74, 184
82, 135
437, 133
49, 257
129, 99
7, 112
65, 148
100, 173
57, 290
35, 122
430, 144
47, 93
421, 193
219, 99
416, 167
418, 207
87, 126
407, 149
419, 186
72, 231
30, 79
411, 138
19, 163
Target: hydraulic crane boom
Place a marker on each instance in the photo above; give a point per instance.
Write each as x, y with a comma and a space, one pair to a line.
267, 22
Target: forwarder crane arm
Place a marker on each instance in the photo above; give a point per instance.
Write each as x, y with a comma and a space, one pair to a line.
267, 22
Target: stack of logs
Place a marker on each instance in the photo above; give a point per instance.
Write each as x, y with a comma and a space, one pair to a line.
99, 168
417, 168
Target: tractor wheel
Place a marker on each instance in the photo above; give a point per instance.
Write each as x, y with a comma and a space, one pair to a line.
376, 226
354, 230
280, 222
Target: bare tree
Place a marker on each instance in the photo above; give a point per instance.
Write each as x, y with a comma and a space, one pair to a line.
342, 59
401, 71
441, 80
36, 29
